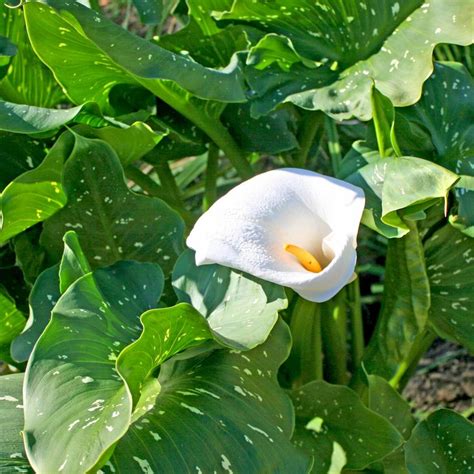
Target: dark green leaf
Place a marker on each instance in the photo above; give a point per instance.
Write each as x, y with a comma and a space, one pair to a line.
404, 313
219, 411
12, 322
241, 310
12, 453
441, 443
154, 12
333, 424
71, 388
37, 194
112, 223
43, 297
449, 263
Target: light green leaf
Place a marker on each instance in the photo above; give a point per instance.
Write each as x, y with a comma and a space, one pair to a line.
19, 118
449, 263
112, 223
37, 194
218, 411
111, 55
389, 43
130, 143
166, 332
446, 112
71, 387
441, 443
28, 80
12, 322
44, 295
73, 264
334, 426
398, 187
240, 309
404, 313
12, 453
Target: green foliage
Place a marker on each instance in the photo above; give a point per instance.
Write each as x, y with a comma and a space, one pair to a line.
119, 125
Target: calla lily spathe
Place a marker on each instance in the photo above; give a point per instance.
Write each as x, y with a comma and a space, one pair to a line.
289, 226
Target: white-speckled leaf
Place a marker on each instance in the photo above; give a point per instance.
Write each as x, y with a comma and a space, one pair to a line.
450, 267
12, 453
441, 443
219, 411
112, 223
333, 424
240, 309
76, 404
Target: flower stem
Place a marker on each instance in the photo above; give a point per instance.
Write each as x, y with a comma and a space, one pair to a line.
357, 326
306, 355
210, 190
334, 338
333, 145
310, 127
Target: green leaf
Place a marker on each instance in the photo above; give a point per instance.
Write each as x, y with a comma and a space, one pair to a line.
44, 295
240, 309
12, 453
74, 263
219, 411
111, 55
71, 386
154, 12
396, 187
446, 112
37, 194
166, 332
335, 427
404, 313
12, 322
441, 443
112, 223
130, 143
389, 43
19, 118
450, 269
28, 80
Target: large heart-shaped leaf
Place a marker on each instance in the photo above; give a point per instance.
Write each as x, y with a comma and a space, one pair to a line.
446, 112
28, 80
12, 322
441, 443
335, 427
71, 386
450, 269
12, 453
112, 223
240, 309
387, 42
221, 411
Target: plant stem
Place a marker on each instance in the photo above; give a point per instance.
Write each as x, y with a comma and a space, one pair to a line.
310, 127
210, 190
422, 343
333, 145
306, 355
357, 326
145, 182
377, 124
334, 338
168, 182
213, 127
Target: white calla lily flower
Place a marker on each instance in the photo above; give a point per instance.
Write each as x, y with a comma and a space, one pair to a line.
289, 226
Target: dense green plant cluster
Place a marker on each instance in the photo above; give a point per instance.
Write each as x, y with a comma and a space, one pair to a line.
120, 353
